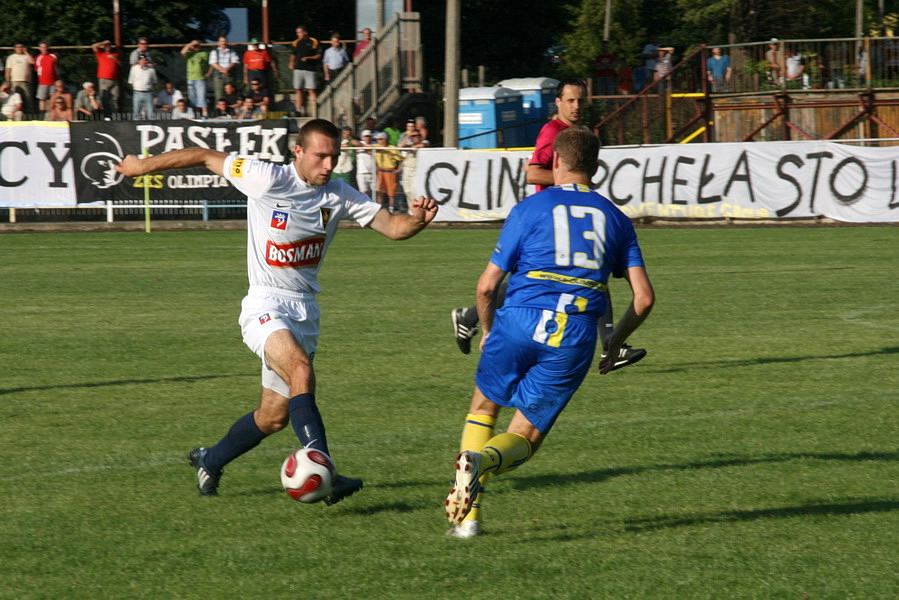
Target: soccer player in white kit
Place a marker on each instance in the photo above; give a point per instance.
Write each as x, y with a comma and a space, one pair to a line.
293, 212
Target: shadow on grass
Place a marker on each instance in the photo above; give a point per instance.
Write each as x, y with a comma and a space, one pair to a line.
753, 362
851, 507
97, 384
604, 474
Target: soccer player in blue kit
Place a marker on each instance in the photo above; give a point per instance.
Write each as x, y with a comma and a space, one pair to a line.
559, 246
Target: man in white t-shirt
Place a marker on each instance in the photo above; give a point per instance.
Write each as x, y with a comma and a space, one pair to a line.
365, 165
293, 212
10, 103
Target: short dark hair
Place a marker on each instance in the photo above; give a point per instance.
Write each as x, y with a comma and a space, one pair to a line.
578, 148
560, 88
321, 126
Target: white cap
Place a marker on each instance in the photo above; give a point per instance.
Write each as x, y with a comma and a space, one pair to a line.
366, 132
381, 135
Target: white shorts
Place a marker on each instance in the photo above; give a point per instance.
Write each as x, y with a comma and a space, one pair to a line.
304, 80
261, 315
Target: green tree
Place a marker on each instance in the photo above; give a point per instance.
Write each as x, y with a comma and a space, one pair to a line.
583, 41
82, 22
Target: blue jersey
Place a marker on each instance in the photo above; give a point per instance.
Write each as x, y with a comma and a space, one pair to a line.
560, 246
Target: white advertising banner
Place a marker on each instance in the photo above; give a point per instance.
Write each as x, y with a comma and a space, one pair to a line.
748, 181
36, 164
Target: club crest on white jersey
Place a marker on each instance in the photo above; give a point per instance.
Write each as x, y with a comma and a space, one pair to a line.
279, 220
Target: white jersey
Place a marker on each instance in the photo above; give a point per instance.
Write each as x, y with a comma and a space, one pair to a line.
291, 223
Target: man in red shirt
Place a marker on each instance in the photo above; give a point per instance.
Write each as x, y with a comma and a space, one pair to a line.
257, 62
362, 44
571, 99
107, 74
46, 64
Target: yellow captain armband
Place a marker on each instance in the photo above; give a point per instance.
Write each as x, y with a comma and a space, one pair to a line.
237, 167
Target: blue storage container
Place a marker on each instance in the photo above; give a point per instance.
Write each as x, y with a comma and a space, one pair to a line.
490, 117
538, 103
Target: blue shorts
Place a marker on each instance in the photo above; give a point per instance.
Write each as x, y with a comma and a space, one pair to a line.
519, 371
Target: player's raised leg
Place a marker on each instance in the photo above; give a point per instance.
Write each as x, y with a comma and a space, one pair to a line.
501, 453
628, 355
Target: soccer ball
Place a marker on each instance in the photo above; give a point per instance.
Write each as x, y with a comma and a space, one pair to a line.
307, 475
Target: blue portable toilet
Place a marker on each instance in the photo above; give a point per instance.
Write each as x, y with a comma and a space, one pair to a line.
538, 102
483, 111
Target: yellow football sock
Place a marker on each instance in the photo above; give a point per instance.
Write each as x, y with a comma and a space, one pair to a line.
475, 513
504, 452
475, 433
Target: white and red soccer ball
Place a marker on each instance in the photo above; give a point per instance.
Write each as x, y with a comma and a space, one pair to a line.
308, 475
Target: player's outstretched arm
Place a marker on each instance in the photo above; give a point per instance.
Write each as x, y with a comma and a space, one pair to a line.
400, 227
132, 165
639, 309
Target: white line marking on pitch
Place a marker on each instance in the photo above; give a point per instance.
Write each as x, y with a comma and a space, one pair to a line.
855, 316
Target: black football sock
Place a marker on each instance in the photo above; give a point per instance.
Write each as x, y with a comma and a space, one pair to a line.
606, 324
243, 436
307, 422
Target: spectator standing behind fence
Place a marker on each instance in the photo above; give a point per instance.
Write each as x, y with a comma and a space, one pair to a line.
19, 72
46, 66
107, 74
718, 71
421, 124
362, 44
388, 162
411, 140
365, 165
605, 65
393, 132
143, 47
222, 63
256, 61
343, 170
59, 91
10, 103
167, 99
664, 66
197, 66
335, 59
647, 74
304, 64
142, 78
88, 106
59, 110
795, 67
772, 57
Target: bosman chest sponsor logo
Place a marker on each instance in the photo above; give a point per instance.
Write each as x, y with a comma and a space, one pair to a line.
304, 253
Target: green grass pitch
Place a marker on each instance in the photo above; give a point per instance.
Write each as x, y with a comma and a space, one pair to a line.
752, 454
